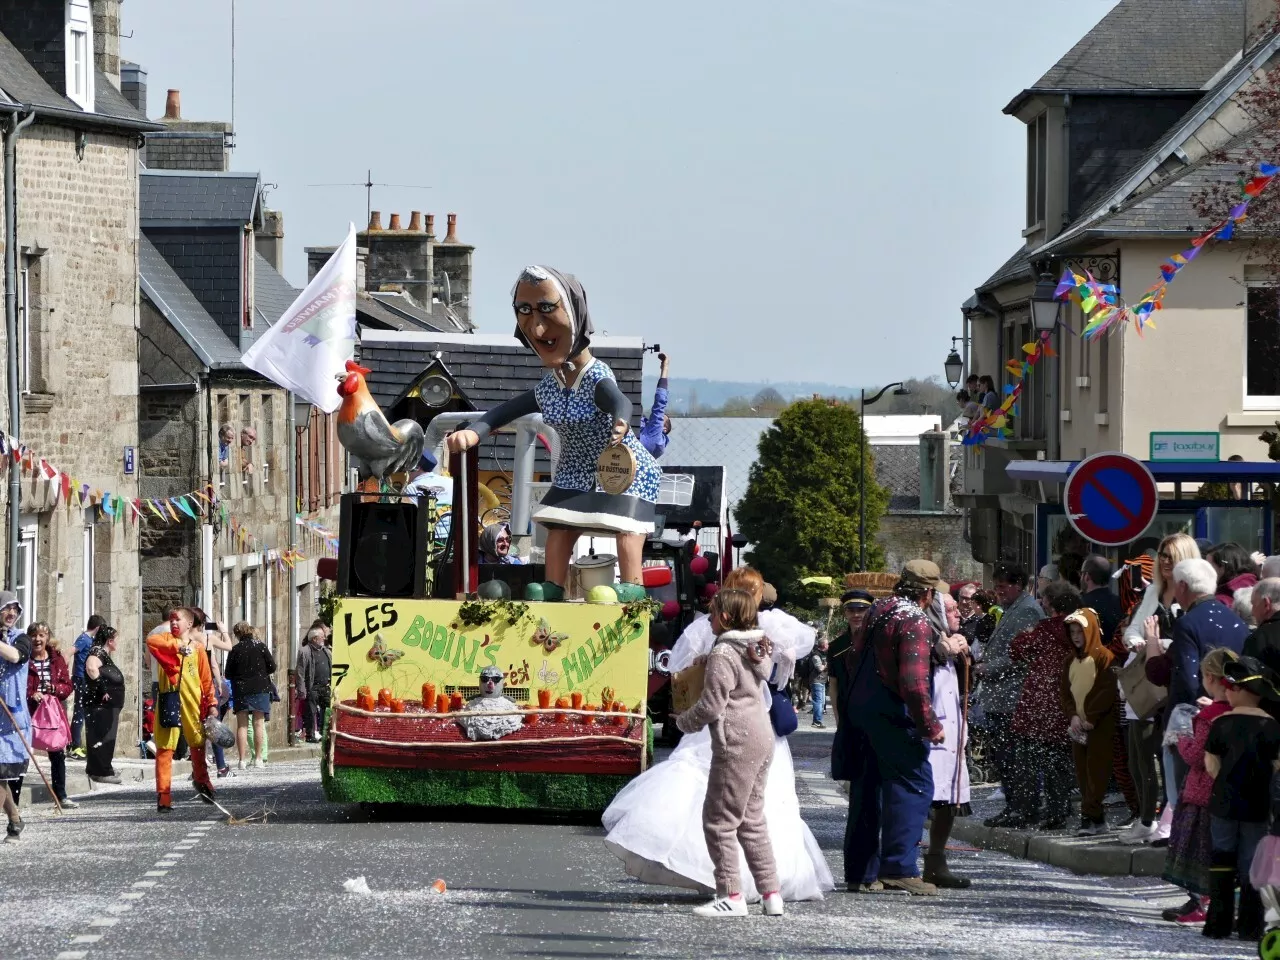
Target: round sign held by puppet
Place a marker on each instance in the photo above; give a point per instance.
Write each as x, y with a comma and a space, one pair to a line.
616, 469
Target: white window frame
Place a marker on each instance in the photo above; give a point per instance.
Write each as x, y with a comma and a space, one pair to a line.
246, 594
24, 328
28, 567
224, 601
268, 615
1252, 401
78, 39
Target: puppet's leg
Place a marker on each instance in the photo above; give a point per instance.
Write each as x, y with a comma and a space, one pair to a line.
630, 566
560, 544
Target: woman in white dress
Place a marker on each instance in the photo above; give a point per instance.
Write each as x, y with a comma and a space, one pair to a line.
655, 822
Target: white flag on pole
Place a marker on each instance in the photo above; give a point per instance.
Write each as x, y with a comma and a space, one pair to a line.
309, 346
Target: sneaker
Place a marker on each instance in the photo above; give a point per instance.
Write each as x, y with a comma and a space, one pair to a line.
164, 808
735, 906
1194, 916
1161, 832
241, 765
109, 778
13, 830
224, 772
1052, 823
819, 724
912, 885
1138, 834
1091, 828
67, 803
875, 886
260, 764
1173, 913
79, 753
773, 904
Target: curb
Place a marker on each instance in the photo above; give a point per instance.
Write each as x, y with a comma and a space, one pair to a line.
1083, 855
133, 771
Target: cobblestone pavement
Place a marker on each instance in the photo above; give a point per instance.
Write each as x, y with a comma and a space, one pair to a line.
109, 881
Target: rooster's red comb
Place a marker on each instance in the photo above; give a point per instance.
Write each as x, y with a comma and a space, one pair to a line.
353, 367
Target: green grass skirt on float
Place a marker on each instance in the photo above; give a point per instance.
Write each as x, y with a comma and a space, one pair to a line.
473, 788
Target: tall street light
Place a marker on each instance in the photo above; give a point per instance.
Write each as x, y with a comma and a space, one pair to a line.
954, 366
902, 391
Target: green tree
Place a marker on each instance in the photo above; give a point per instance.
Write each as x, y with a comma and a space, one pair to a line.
801, 506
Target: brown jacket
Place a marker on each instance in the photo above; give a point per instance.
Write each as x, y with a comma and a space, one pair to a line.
732, 702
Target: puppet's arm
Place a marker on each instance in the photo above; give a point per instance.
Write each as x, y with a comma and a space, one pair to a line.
610, 398
518, 406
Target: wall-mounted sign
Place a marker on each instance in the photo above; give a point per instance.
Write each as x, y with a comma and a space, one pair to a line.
128, 460
1168, 445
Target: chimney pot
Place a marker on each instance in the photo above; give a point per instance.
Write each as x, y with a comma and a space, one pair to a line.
452, 235
431, 225
173, 105
375, 220
395, 222
415, 221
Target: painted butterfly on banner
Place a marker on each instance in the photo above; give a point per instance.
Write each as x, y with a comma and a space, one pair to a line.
381, 655
545, 638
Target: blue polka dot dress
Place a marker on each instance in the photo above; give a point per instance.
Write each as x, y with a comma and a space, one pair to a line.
575, 498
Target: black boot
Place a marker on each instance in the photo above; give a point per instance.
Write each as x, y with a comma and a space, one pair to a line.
939, 874
1222, 897
1249, 920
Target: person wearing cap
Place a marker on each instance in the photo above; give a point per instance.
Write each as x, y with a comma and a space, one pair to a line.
1002, 679
1240, 755
15, 725
854, 604
1263, 643
893, 726
424, 479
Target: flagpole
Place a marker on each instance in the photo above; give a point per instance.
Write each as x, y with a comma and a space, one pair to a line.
292, 500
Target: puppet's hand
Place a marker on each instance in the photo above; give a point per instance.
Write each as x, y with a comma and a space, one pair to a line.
462, 440
619, 434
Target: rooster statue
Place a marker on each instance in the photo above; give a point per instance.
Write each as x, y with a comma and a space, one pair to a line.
378, 449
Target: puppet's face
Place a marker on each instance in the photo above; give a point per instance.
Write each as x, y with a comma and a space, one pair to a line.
490, 683
543, 318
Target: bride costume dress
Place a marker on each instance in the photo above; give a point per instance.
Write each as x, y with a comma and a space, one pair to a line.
655, 822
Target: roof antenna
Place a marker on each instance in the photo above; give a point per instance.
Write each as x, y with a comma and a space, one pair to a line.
368, 187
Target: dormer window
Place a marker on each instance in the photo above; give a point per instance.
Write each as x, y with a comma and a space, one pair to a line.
79, 46
1037, 170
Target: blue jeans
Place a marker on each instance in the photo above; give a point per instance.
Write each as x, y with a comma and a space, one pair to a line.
891, 787
818, 691
1236, 837
77, 714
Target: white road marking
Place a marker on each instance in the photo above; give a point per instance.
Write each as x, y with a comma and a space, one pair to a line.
87, 938
72, 955
104, 921
119, 907
133, 895
145, 883
156, 873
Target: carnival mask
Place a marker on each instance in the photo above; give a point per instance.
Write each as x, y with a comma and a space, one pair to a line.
544, 316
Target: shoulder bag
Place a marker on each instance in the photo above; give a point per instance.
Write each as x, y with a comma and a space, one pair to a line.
782, 713
49, 727
1143, 696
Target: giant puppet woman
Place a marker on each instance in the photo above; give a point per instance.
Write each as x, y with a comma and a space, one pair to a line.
580, 398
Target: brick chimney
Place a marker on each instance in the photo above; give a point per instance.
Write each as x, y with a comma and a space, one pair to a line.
415, 221
188, 144
453, 273
106, 38
269, 240
1259, 22
375, 220
395, 222
431, 225
133, 84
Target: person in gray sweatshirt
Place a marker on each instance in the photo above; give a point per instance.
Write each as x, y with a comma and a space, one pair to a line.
732, 703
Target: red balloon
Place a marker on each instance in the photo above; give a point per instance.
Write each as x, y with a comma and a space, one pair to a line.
699, 566
670, 610
710, 590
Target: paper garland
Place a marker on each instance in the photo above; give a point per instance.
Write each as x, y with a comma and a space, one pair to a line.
195, 505
1105, 310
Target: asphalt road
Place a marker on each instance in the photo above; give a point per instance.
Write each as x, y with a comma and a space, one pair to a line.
110, 881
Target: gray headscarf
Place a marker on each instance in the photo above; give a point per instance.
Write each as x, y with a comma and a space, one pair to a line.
575, 304
936, 614
488, 546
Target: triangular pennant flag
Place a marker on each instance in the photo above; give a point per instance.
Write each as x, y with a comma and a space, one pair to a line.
108, 506
182, 505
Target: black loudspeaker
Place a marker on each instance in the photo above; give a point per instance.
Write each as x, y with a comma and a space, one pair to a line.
383, 546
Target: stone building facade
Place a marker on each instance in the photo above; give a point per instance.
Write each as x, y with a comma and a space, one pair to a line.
77, 310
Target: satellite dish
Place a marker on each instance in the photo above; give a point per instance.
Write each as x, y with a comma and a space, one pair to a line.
436, 391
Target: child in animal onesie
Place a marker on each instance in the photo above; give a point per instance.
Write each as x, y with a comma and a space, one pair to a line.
732, 704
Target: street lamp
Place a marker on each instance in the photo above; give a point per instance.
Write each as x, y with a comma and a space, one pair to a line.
1044, 305
954, 366
902, 391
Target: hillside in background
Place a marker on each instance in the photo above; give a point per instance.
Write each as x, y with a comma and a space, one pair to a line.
700, 397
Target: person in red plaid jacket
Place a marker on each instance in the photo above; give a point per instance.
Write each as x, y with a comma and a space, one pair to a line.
893, 726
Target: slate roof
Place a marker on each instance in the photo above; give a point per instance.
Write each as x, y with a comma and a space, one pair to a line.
272, 296
1146, 45
376, 315
488, 369
1016, 267
406, 309
21, 83
178, 304
177, 197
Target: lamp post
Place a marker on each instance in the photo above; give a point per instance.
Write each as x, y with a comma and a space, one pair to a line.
1044, 305
862, 471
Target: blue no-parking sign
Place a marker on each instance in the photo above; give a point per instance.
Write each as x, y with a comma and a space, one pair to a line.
1111, 498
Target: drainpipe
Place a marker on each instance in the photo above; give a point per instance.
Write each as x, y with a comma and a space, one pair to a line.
291, 499
11, 327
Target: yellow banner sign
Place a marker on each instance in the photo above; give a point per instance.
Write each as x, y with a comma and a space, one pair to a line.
566, 648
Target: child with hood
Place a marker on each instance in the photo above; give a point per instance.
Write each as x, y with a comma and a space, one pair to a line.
1089, 699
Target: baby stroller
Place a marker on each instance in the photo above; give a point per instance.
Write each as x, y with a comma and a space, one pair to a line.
1264, 874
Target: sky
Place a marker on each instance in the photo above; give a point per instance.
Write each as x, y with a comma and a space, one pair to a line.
799, 191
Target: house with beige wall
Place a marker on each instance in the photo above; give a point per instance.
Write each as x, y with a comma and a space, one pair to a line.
1115, 165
